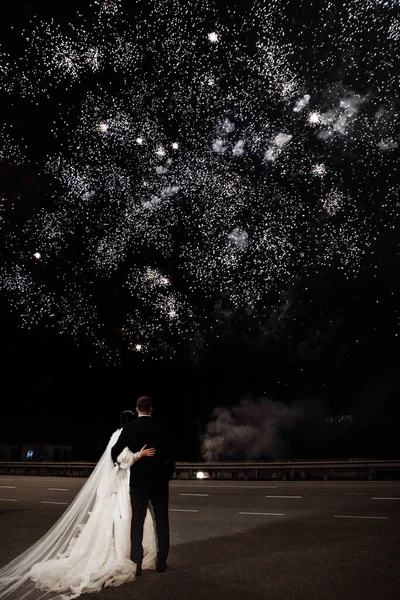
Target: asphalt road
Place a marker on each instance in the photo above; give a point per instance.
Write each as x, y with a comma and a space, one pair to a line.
243, 540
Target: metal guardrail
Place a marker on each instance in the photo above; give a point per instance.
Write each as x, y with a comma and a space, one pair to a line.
363, 469
294, 471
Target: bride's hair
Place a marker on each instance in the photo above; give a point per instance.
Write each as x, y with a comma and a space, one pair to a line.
126, 417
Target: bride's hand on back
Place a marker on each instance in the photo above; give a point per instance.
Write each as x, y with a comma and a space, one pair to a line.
147, 451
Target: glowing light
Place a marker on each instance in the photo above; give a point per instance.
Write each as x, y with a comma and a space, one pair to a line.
37, 255
314, 118
213, 37
333, 202
302, 103
319, 169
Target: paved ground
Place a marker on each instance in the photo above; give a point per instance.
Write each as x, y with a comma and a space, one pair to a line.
243, 540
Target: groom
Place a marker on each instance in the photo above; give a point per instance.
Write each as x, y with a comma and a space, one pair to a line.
149, 479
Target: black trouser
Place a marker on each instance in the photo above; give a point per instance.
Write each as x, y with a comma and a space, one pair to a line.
141, 495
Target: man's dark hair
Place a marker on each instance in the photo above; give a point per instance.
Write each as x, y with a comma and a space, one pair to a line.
144, 404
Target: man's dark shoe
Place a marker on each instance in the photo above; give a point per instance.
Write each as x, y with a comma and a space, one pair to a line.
138, 569
161, 567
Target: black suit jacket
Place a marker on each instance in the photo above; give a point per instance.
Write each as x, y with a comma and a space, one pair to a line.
149, 470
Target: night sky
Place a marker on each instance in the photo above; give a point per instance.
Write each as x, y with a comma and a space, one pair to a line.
199, 201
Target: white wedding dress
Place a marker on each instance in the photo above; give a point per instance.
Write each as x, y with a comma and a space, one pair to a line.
88, 548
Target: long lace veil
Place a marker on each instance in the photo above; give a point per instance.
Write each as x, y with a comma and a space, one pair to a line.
15, 581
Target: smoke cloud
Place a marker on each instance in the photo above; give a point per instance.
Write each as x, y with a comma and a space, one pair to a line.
254, 429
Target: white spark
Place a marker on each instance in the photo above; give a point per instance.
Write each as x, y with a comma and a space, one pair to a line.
314, 118
238, 148
302, 103
386, 145
319, 170
282, 139
239, 238
219, 146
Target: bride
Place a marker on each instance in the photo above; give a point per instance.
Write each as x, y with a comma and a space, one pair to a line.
88, 548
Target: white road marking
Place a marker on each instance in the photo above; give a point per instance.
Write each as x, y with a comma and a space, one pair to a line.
8, 500
244, 487
8, 487
356, 517
48, 502
182, 510
388, 498
263, 513
59, 489
194, 494
283, 496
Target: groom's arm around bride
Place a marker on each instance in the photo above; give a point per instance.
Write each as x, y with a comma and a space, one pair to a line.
151, 433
